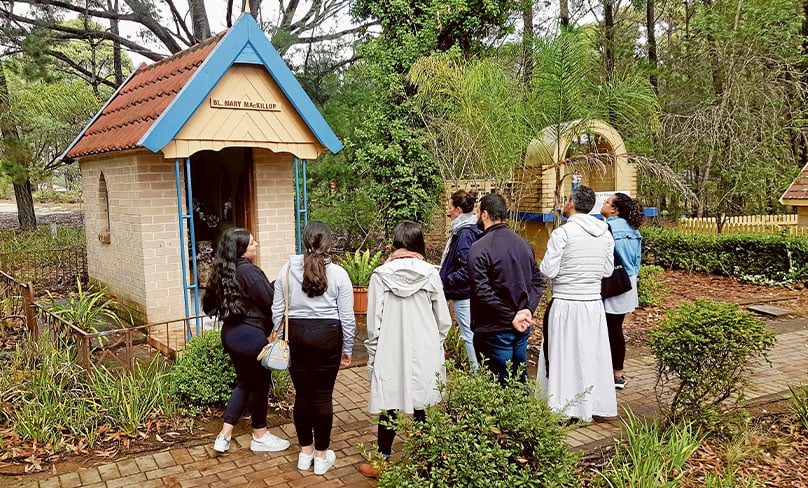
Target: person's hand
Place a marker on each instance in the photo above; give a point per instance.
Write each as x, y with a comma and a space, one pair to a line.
523, 320
345, 361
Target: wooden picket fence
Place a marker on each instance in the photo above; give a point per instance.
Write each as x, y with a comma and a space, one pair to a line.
745, 224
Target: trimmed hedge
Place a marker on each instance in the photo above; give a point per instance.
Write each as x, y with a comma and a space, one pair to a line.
752, 258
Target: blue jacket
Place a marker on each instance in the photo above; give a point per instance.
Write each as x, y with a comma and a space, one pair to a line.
454, 272
504, 279
627, 243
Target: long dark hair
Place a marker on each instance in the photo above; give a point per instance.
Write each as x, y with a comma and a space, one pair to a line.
408, 235
223, 295
629, 209
317, 244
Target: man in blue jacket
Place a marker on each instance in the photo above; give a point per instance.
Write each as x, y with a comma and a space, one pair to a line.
506, 286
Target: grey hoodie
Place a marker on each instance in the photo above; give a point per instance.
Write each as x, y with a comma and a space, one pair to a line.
579, 254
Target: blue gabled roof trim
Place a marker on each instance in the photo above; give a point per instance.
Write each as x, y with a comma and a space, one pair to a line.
244, 43
98, 114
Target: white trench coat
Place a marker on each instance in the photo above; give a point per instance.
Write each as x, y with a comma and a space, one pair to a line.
407, 320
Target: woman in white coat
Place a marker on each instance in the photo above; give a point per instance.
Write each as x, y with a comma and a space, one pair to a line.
407, 322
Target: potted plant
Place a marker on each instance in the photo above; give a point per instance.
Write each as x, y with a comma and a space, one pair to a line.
360, 266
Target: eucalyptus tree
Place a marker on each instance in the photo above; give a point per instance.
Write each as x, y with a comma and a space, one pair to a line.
732, 101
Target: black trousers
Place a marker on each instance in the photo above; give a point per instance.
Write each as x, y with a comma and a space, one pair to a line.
243, 343
617, 342
386, 435
315, 347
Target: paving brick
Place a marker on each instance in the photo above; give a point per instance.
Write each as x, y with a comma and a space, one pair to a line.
237, 481
89, 476
146, 463
163, 459
70, 480
130, 480
49, 483
165, 472
109, 472
199, 481
128, 467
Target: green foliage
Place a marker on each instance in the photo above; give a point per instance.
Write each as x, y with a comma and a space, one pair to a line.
281, 384
483, 434
360, 266
650, 290
51, 196
128, 398
703, 350
456, 348
42, 239
799, 404
86, 309
762, 259
203, 375
650, 455
46, 394
48, 398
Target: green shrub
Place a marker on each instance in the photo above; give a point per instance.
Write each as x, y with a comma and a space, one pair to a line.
703, 350
281, 384
752, 258
799, 404
650, 290
41, 239
649, 455
483, 434
203, 375
128, 398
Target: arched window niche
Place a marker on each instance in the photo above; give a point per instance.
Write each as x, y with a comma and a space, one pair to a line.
104, 235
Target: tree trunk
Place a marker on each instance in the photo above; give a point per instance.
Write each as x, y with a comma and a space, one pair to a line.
199, 20
527, 43
22, 190
565, 13
608, 27
650, 25
25, 205
117, 65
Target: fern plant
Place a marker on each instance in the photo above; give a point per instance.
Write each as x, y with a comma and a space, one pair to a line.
360, 266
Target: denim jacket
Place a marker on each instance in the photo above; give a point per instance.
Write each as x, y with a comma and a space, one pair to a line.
627, 244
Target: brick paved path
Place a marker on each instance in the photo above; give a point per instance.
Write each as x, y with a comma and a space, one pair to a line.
201, 467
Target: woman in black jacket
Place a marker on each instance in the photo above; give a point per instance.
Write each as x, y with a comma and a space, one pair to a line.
240, 295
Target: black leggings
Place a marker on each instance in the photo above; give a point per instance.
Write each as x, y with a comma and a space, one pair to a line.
315, 347
386, 435
617, 343
243, 343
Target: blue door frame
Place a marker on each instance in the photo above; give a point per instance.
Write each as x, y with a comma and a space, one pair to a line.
186, 216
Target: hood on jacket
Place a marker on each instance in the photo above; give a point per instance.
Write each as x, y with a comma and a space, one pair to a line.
592, 225
406, 276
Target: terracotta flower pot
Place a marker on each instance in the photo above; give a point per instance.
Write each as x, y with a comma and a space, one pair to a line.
360, 299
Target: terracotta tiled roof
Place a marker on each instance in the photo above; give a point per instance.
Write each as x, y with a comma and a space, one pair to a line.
140, 101
799, 188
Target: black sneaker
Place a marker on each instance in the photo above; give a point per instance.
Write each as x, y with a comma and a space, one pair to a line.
619, 382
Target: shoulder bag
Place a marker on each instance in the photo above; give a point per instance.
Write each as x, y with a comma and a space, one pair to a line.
619, 282
275, 355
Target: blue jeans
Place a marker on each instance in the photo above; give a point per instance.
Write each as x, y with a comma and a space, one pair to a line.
502, 347
462, 310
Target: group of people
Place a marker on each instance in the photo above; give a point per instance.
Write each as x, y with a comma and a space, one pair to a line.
490, 276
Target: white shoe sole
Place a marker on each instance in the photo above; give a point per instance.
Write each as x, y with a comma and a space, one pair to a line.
266, 448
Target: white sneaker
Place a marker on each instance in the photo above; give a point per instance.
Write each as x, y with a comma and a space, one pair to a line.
321, 465
221, 444
268, 443
304, 461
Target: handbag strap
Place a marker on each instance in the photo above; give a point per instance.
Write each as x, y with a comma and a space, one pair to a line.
286, 306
